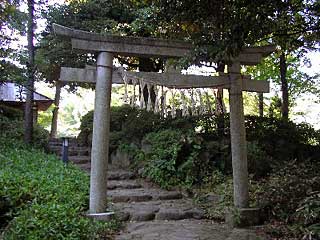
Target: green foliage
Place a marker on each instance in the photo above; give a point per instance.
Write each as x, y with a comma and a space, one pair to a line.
269, 139
299, 82
12, 128
41, 198
221, 186
131, 123
45, 117
139, 123
283, 140
259, 162
291, 196
309, 213
10, 112
171, 160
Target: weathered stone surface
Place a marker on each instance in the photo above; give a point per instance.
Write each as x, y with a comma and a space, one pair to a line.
169, 195
163, 210
123, 184
238, 140
145, 146
170, 214
175, 230
124, 45
142, 194
85, 167
170, 80
138, 46
100, 134
79, 159
142, 216
120, 159
120, 175
195, 213
244, 234
185, 230
123, 216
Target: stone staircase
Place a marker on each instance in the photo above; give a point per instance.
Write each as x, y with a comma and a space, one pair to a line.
152, 213
77, 154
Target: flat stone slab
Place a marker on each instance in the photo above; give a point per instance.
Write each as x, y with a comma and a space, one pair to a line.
245, 234
84, 166
159, 210
120, 175
175, 230
79, 159
123, 184
142, 195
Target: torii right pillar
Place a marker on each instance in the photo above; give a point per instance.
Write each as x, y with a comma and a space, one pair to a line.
238, 139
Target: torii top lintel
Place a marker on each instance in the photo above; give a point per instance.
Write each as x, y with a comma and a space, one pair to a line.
152, 47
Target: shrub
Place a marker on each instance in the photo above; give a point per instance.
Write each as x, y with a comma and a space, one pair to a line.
171, 160
10, 112
283, 140
291, 196
259, 162
12, 128
133, 123
42, 198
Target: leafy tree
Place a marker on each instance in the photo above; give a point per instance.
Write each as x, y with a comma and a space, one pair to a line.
28, 112
299, 82
221, 29
296, 31
117, 17
11, 24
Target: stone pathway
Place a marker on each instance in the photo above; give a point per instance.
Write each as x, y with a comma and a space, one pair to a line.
155, 214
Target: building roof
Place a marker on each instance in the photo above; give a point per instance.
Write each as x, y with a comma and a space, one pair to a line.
15, 95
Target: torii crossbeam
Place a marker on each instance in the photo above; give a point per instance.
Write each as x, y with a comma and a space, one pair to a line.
169, 80
107, 47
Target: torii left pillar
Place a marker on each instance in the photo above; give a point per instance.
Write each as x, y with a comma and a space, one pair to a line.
238, 139
101, 133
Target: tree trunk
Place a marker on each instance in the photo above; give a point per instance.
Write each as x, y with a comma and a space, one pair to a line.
219, 99
54, 123
284, 87
28, 113
260, 96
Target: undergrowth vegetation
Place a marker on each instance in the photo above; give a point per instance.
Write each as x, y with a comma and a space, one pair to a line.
195, 154
40, 197
11, 126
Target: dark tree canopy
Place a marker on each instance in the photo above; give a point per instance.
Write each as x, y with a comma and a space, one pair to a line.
224, 27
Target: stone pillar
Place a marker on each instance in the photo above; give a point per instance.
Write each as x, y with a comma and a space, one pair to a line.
100, 137
238, 139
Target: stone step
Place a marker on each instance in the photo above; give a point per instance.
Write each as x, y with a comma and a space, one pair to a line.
113, 175
58, 141
71, 152
72, 148
158, 210
84, 167
142, 195
123, 184
188, 229
120, 175
79, 159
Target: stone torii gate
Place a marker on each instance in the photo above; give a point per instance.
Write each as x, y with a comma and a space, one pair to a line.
104, 75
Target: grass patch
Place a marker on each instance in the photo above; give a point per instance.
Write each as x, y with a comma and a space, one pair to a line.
40, 198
